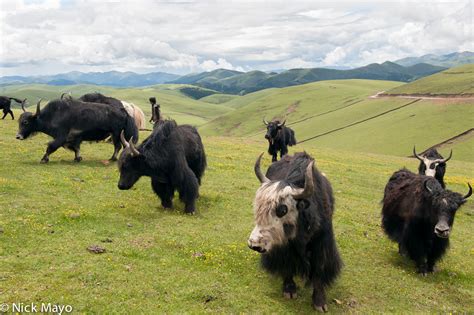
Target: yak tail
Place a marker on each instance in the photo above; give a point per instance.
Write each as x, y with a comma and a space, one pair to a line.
16, 99
131, 129
292, 141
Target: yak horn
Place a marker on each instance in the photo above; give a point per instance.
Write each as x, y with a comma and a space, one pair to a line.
129, 144
307, 191
416, 155
469, 193
122, 139
261, 177
446, 159
282, 124
134, 150
265, 122
68, 93
38, 107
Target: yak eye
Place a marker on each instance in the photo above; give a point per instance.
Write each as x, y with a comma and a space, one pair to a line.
433, 165
281, 210
25, 122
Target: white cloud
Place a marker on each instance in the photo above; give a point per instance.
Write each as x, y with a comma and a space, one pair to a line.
49, 36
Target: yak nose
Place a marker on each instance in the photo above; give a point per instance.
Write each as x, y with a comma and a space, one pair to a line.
267, 137
259, 249
19, 136
442, 230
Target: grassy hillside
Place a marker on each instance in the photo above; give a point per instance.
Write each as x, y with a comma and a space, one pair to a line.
164, 261
449, 60
173, 102
339, 114
218, 98
455, 81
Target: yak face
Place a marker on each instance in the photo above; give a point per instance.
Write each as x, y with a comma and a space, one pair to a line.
273, 128
444, 203
129, 164
276, 207
27, 125
432, 163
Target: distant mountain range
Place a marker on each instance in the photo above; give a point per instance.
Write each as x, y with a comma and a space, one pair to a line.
449, 60
111, 78
235, 82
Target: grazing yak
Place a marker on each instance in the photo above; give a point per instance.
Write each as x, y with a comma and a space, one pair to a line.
279, 138
432, 164
173, 156
418, 214
133, 111
293, 225
155, 111
70, 122
5, 104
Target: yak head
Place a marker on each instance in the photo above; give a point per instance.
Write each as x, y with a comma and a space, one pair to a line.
129, 164
273, 127
276, 207
28, 122
444, 204
432, 163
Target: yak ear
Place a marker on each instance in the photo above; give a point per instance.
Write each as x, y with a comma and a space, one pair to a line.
427, 186
302, 204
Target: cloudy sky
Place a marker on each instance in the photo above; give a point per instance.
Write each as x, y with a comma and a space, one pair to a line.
182, 36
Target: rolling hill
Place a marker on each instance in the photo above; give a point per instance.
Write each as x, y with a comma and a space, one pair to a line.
455, 81
234, 82
448, 60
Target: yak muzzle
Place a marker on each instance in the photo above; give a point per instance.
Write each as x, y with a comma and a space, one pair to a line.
257, 248
123, 186
442, 230
19, 136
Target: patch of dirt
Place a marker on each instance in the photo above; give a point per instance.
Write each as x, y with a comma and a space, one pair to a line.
425, 96
142, 242
96, 249
292, 108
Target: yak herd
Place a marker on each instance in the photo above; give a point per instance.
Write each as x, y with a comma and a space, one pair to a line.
293, 207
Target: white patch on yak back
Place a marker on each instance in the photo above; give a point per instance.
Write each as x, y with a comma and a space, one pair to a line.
136, 113
128, 107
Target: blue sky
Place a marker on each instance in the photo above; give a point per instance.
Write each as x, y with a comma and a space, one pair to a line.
54, 36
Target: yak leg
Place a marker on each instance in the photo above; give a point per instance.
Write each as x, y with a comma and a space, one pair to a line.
289, 288
274, 157
416, 248
319, 296
117, 146
5, 112
11, 114
77, 151
52, 147
188, 190
165, 191
437, 251
283, 151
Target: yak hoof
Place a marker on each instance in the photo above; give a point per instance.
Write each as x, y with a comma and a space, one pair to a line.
78, 159
290, 295
113, 159
321, 308
190, 212
44, 160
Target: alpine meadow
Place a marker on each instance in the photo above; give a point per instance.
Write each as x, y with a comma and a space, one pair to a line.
248, 80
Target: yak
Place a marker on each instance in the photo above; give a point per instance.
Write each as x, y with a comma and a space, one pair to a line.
133, 111
70, 122
155, 111
173, 156
5, 104
279, 138
418, 214
432, 164
293, 231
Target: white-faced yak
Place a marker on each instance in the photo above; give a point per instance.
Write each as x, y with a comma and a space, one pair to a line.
173, 156
71, 121
293, 226
279, 138
418, 214
432, 164
5, 105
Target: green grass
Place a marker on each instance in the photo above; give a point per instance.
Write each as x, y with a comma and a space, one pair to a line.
454, 81
163, 261
218, 98
174, 104
383, 125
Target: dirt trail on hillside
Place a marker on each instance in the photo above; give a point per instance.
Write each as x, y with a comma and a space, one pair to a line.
445, 97
466, 135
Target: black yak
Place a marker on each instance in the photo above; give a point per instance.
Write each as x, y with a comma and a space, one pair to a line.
293, 225
418, 214
133, 110
432, 164
70, 122
279, 138
155, 111
173, 156
6, 102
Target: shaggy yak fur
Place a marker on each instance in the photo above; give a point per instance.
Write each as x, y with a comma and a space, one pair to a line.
173, 156
293, 215
71, 121
279, 138
6, 102
418, 214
